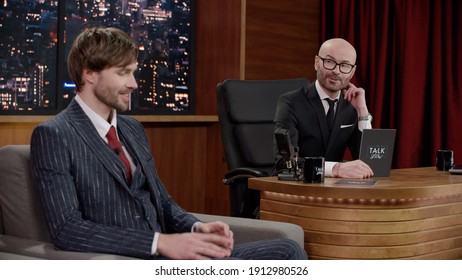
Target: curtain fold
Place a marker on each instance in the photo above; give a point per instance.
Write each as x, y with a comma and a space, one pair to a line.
409, 64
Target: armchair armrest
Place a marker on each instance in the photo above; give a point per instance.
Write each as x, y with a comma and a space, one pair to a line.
243, 172
19, 248
245, 230
248, 230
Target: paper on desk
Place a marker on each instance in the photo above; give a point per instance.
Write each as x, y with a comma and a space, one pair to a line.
356, 182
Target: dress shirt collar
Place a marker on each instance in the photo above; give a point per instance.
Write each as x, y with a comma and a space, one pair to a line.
322, 94
101, 125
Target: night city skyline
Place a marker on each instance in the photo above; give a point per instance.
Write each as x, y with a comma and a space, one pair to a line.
32, 81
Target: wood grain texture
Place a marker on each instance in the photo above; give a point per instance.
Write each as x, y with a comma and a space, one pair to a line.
415, 213
282, 38
217, 49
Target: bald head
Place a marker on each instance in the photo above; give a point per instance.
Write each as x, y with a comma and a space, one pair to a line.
339, 49
332, 56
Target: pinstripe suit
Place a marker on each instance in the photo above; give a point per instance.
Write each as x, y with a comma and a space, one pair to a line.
88, 204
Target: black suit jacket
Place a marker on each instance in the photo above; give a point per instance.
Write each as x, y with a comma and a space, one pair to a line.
302, 113
87, 202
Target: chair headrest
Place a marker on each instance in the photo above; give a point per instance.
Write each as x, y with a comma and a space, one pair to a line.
254, 101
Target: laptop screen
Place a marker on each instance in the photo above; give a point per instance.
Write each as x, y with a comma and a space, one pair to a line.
377, 150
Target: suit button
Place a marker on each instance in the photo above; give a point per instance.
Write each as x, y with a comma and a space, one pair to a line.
137, 217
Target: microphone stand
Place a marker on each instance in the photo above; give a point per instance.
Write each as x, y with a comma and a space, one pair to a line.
294, 168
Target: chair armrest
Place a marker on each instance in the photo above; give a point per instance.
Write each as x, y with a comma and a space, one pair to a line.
243, 172
19, 248
248, 230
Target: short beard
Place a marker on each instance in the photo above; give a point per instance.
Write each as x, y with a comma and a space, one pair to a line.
110, 100
321, 78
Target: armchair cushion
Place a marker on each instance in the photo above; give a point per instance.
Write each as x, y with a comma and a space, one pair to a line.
21, 211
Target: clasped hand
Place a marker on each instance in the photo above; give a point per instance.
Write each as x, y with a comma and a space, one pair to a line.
210, 240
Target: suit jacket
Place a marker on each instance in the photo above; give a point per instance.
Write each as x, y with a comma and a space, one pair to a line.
87, 202
302, 113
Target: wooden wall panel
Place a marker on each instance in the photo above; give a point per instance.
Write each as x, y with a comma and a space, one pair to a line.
15, 133
218, 39
217, 50
217, 194
282, 38
180, 156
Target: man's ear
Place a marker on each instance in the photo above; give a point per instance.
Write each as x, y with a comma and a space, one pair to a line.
316, 63
89, 76
353, 71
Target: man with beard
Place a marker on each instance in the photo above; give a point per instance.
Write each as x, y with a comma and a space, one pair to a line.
96, 175
329, 116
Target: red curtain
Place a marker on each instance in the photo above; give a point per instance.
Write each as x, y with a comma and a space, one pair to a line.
409, 62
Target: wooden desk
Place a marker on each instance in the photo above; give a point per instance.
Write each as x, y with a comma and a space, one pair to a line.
415, 213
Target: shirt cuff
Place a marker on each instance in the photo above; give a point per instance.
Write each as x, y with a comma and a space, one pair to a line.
154, 244
194, 227
156, 239
328, 168
364, 125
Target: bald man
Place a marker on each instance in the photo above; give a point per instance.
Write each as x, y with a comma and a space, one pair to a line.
318, 131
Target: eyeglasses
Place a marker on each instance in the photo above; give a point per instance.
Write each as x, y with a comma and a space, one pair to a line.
330, 64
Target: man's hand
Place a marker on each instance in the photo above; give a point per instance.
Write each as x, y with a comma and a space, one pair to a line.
356, 169
193, 246
219, 228
357, 98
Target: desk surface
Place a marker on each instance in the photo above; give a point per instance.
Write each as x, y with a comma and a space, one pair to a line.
415, 213
410, 183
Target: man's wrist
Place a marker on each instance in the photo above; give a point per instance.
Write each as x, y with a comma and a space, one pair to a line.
336, 169
367, 117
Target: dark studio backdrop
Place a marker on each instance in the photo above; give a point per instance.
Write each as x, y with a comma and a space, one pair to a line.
409, 63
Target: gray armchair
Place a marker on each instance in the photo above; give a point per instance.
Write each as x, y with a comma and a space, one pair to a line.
23, 232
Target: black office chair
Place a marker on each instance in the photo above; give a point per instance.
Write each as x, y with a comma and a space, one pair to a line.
246, 110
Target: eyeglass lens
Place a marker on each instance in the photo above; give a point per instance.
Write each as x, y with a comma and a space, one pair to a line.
330, 64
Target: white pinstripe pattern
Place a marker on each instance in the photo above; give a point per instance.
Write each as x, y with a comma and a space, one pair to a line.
87, 202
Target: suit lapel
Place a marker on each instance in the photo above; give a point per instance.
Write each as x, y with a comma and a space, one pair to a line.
142, 155
84, 127
316, 104
127, 135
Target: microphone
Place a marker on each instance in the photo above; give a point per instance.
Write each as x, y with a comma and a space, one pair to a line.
117, 151
289, 155
285, 147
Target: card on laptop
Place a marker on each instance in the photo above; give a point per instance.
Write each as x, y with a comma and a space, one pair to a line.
377, 150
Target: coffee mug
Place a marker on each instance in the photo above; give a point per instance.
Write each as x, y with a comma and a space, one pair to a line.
313, 170
444, 159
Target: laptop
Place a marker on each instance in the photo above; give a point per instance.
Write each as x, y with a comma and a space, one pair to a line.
377, 150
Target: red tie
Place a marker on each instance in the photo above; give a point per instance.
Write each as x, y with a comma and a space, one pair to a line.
116, 146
